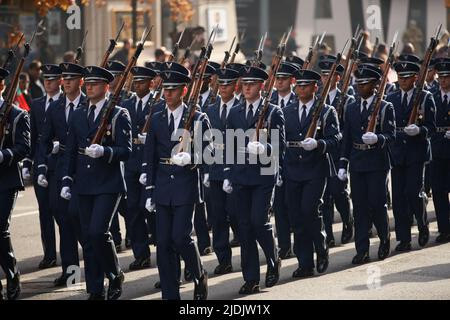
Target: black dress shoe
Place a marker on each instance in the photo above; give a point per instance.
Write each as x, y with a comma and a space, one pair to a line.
331, 243
443, 238
234, 243
157, 285
361, 258
188, 276
273, 274
384, 249
115, 286
223, 269
61, 281
127, 243
322, 262
206, 251
152, 240
303, 273
46, 264
424, 236
140, 264
370, 233
249, 287
118, 248
13, 287
201, 287
96, 297
347, 233
285, 254
403, 246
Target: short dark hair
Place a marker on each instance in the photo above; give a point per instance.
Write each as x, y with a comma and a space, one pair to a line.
35, 64
24, 76
159, 52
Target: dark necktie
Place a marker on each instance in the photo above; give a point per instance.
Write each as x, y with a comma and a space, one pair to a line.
303, 117
328, 100
223, 115
250, 115
49, 102
200, 101
282, 105
91, 117
171, 124
445, 102
405, 102
71, 105
139, 109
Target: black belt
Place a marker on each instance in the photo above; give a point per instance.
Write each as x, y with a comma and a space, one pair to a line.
363, 147
294, 144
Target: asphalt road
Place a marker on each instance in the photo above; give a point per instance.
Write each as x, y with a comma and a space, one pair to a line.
420, 274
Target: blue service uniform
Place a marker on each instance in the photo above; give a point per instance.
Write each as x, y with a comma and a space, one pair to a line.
14, 147
253, 185
66, 212
305, 174
222, 208
100, 186
136, 214
336, 191
280, 209
440, 165
46, 210
174, 190
368, 167
409, 156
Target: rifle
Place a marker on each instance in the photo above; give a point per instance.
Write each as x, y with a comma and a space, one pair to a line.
418, 92
187, 52
156, 96
12, 52
374, 50
312, 54
380, 94
6, 108
238, 48
80, 49
196, 88
312, 130
112, 45
268, 87
347, 75
259, 52
107, 112
215, 82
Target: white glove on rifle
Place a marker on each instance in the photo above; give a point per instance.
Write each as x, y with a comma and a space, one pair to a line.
206, 180
55, 149
42, 181
149, 205
143, 179
370, 138
142, 138
1, 157
342, 175
412, 130
65, 193
447, 135
309, 144
256, 147
95, 151
26, 174
181, 159
227, 187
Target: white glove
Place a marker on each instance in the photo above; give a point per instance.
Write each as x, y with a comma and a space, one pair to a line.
143, 179
447, 135
1, 157
256, 147
279, 182
42, 181
65, 193
370, 138
149, 205
142, 138
412, 130
26, 174
181, 159
309, 144
55, 149
206, 180
342, 175
227, 187
95, 151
